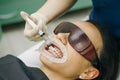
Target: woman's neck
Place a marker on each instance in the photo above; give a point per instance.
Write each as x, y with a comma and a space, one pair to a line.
53, 75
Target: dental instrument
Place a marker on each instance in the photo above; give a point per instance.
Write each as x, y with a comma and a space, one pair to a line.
41, 33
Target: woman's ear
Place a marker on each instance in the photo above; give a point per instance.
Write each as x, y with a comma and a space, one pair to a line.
89, 73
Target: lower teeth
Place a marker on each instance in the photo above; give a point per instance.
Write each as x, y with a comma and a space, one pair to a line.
61, 58
55, 52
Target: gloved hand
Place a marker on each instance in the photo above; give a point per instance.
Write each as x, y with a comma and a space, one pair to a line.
30, 32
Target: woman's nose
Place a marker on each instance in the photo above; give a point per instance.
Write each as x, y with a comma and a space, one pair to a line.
63, 37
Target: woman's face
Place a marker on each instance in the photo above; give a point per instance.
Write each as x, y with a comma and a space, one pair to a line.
62, 58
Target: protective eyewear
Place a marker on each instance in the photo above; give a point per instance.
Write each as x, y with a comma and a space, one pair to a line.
79, 41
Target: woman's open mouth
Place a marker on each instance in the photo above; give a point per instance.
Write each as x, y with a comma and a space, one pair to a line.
56, 52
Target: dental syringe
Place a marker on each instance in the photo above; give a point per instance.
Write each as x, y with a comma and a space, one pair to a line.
40, 32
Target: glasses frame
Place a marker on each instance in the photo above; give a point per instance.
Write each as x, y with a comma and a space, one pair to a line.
87, 49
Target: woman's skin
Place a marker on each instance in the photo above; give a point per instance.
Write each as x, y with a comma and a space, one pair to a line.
76, 65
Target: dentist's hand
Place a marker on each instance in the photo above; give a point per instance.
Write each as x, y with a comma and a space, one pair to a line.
30, 32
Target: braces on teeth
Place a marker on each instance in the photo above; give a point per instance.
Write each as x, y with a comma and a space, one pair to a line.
55, 52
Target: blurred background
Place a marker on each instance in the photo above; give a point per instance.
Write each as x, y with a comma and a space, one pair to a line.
12, 39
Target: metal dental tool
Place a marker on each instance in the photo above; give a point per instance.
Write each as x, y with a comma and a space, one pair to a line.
41, 33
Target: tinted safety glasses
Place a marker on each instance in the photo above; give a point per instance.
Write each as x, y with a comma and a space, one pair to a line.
79, 41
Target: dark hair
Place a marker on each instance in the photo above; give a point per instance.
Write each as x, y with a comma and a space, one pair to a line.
109, 55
